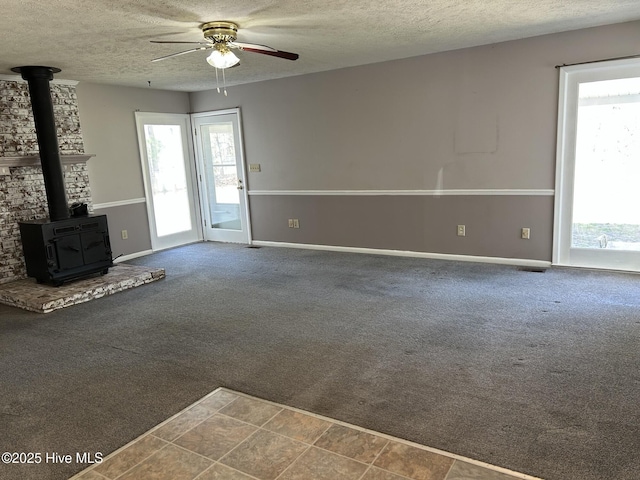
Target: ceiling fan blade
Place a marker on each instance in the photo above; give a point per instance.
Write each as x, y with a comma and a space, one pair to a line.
168, 41
179, 53
252, 45
275, 53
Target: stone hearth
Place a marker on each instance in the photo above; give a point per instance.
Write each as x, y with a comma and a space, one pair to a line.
29, 295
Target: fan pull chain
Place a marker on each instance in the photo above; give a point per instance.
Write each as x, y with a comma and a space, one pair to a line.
224, 83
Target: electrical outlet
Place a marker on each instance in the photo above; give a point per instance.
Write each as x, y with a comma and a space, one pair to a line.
526, 233
254, 167
125, 234
291, 223
296, 223
461, 231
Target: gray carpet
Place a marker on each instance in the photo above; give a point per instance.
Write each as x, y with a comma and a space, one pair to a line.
535, 372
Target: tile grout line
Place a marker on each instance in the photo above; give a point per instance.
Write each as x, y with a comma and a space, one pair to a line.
130, 444
450, 468
293, 462
331, 424
309, 447
213, 462
195, 453
229, 452
403, 477
216, 412
291, 438
257, 427
488, 466
145, 459
372, 464
226, 466
150, 432
282, 407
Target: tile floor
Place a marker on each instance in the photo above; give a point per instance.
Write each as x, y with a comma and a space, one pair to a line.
231, 436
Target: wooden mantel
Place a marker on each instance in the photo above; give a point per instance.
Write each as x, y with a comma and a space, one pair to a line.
31, 160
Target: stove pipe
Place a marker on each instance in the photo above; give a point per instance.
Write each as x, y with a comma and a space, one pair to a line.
38, 79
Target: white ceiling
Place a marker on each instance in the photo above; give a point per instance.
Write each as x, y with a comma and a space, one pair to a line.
107, 41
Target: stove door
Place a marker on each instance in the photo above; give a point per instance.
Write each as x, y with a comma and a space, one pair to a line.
94, 247
69, 250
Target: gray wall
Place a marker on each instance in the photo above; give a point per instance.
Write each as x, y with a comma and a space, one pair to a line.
477, 118
132, 218
109, 131
409, 223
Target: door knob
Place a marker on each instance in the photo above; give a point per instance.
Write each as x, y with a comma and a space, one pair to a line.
240, 187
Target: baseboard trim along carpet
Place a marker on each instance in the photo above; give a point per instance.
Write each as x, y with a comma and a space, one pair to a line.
131, 256
520, 262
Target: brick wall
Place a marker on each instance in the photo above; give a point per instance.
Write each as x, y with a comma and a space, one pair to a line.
22, 192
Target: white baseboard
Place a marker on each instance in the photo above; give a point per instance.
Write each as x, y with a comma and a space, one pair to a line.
519, 262
131, 256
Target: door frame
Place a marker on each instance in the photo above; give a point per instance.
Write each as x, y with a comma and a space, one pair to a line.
201, 173
570, 78
142, 118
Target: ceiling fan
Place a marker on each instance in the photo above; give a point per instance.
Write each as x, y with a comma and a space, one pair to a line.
220, 37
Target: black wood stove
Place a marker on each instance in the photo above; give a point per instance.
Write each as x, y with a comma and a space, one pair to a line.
57, 251
62, 247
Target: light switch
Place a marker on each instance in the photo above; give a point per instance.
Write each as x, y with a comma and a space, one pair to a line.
254, 167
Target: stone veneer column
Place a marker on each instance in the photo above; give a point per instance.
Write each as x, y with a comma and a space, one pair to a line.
22, 192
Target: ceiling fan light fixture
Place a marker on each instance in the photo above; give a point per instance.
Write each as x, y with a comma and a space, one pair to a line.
222, 58
221, 37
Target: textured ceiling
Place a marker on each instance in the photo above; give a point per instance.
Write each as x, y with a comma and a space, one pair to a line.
108, 41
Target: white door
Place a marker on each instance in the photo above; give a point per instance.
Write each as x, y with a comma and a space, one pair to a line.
597, 218
169, 179
218, 141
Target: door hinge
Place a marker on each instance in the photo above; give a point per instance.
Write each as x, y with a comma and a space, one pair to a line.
205, 223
